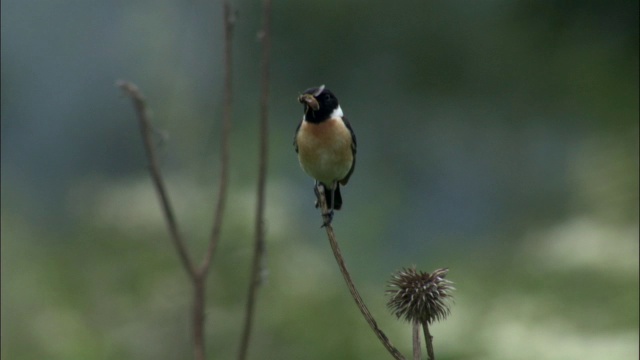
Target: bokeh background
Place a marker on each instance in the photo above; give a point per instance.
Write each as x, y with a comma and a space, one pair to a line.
496, 138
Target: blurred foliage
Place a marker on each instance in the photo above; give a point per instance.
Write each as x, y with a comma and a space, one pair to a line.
496, 138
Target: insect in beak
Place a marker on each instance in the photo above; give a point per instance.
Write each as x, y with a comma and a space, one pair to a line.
310, 101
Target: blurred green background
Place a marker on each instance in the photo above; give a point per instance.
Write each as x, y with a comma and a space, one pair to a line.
496, 138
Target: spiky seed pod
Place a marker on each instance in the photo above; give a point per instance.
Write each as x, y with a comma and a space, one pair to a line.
419, 296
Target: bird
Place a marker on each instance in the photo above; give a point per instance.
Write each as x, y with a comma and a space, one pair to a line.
326, 145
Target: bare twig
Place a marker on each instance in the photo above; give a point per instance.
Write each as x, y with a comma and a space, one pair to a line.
193, 273
229, 22
417, 348
428, 340
198, 317
146, 131
259, 247
347, 278
197, 275
203, 270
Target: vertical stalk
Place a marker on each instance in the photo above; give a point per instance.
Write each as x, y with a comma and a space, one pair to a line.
259, 244
417, 347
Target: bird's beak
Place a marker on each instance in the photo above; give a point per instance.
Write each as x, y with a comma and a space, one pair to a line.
310, 101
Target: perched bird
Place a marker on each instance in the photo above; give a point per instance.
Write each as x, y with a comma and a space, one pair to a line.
326, 144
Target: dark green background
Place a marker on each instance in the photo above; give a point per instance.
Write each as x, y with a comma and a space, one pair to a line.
496, 138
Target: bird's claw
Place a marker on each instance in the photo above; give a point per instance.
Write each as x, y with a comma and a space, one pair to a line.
316, 190
328, 217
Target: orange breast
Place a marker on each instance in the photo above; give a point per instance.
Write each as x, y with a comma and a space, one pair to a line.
324, 150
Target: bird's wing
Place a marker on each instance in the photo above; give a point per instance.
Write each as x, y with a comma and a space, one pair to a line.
354, 148
295, 137
354, 143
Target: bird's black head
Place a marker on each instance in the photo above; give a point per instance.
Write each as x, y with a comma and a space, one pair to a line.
319, 104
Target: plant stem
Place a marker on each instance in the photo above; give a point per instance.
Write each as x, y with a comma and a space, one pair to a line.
229, 22
428, 340
259, 247
347, 278
142, 112
417, 347
198, 318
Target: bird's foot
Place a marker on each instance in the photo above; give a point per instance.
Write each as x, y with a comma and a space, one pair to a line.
327, 217
316, 190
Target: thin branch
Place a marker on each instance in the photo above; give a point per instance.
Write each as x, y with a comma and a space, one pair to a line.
229, 22
146, 131
259, 247
202, 272
428, 340
417, 348
194, 274
198, 317
347, 278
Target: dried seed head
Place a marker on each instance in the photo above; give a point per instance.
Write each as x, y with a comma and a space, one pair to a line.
419, 296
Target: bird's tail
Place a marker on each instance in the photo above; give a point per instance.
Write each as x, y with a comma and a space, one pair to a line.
337, 198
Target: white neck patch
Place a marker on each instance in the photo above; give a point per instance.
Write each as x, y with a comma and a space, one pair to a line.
337, 113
